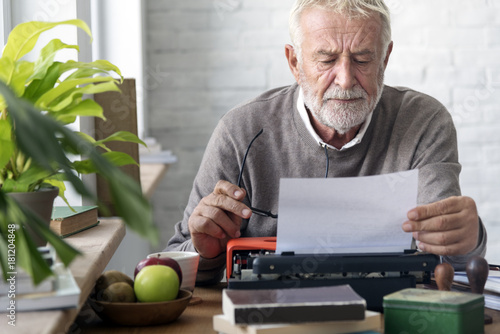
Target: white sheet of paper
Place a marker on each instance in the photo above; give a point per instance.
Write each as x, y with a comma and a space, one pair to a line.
346, 215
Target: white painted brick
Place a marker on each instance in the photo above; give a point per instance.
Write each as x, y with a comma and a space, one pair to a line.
489, 215
177, 118
279, 20
186, 80
161, 42
279, 73
283, 5
459, 76
474, 191
207, 40
493, 76
457, 38
239, 20
178, 21
177, 61
492, 155
410, 37
469, 14
419, 57
469, 155
492, 115
470, 176
479, 58
264, 38
169, 5
243, 78
401, 75
179, 98
420, 13
228, 99
241, 58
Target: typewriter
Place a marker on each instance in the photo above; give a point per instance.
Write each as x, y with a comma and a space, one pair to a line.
252, 263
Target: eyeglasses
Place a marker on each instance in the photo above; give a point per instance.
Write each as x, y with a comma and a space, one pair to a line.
254, 210
259, 211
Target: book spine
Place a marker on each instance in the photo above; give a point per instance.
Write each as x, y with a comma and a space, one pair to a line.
297, 314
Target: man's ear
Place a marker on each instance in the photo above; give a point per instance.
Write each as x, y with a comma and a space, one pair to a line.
388, 54
293, 62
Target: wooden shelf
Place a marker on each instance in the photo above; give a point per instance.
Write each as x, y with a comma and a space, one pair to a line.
97, 245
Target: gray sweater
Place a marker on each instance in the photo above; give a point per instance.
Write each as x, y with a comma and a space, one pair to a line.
408, 130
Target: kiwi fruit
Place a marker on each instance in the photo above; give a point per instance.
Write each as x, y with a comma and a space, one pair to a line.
107, 279
119, 292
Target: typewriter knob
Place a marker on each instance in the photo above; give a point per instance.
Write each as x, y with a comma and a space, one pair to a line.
443, 273
477, 273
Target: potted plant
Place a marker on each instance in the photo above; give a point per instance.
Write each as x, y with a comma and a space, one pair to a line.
38, 100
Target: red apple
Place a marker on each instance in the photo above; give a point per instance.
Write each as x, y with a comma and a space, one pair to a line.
166, 261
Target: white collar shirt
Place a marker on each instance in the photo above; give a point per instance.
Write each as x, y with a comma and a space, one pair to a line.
305, 117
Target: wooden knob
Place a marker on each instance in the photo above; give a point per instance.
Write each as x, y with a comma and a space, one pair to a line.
477, 272
443, 273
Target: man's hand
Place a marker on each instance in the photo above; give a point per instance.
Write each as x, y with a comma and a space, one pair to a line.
447, 227
217, 218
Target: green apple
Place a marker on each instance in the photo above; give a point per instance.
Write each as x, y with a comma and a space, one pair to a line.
156, 283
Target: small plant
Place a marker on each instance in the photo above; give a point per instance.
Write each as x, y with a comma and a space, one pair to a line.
38, 100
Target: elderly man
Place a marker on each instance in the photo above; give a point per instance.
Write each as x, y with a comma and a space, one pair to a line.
339, 112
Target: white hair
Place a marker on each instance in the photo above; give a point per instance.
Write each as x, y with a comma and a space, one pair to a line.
352, 8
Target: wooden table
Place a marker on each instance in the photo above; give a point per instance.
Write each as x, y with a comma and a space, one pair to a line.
97, 244
197, 318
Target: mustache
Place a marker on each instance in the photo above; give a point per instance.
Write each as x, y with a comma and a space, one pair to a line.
341, 94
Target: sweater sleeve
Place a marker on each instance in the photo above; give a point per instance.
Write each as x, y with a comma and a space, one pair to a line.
439, 169
220, 162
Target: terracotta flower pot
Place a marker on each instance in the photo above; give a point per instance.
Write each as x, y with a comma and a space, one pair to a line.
40, 202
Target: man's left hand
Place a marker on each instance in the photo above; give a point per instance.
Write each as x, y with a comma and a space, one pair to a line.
446, 227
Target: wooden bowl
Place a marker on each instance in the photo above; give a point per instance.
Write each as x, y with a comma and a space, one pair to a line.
142, 314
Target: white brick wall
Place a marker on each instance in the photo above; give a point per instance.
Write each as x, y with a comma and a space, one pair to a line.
205, 56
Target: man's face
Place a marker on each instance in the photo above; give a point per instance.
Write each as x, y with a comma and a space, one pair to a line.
342, 67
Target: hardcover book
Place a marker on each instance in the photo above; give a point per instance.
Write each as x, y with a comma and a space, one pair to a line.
294, 305
66, 294
371, 324
66, 222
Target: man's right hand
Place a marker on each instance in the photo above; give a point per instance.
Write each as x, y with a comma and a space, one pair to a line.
217, 218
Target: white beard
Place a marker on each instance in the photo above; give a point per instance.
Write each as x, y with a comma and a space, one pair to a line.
339, 116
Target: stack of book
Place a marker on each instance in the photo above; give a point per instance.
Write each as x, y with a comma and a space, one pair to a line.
491, 288
57, 292
66, 221
315, 310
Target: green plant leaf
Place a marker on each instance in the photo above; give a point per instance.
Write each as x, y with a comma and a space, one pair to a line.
75, 96
28, 180
4, 253
57, 181
65, 252
7, 67
87, 107
46, 58
6, 143
122, 136
88, 69
67, 87
12, 219
115, 158
38, 87
27, 255
22, 72
24, 36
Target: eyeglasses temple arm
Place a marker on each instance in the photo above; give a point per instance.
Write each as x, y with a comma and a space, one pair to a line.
245, 157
